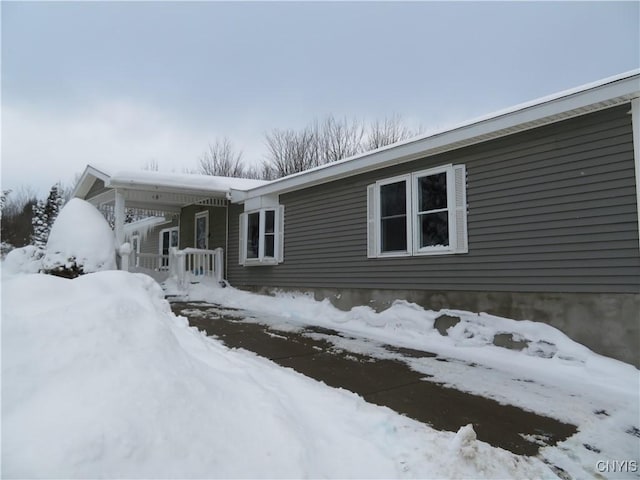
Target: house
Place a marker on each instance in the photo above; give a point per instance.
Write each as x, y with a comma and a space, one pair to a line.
530, 213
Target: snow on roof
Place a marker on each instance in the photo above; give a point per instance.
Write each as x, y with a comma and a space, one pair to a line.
182, 181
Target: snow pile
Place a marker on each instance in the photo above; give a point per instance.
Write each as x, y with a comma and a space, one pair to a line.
101, 379
24, 260
80, 240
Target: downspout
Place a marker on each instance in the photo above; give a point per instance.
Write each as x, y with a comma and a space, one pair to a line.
635, 122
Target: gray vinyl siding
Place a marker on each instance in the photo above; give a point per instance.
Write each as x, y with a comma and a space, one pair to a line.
552, 209
151, 243
217, 226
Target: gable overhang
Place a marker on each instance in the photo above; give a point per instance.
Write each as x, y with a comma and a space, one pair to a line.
600, 95
146, 195
87, 179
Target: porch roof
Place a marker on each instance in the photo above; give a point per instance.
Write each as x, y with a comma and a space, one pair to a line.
165, 192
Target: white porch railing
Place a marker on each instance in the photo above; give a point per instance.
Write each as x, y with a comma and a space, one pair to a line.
150, 261
187, 265
191, 263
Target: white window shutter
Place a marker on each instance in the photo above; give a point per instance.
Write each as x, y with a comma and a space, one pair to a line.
460, 185
242, 239
280, 239
372, 231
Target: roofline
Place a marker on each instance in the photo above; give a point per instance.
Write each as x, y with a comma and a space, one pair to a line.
163, 188
81, 188
578, 101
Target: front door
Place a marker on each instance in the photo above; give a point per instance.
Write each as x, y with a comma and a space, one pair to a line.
201, 233
168, 239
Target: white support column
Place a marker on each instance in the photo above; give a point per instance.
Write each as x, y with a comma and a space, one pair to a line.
635, 121
119, 213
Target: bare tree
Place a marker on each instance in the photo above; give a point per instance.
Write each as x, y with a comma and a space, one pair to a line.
221, 160
339, 139
388, 131
291, 152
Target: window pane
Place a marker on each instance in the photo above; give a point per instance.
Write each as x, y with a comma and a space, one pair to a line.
165, 243
201, 232
174, 238
432, 192
253, 234
434, 229
269, 245
393, 199
394, 234
269, 221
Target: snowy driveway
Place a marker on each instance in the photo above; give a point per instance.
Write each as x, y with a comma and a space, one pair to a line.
382, 376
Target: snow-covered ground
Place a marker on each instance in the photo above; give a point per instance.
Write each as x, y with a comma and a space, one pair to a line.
552, 375
100, 379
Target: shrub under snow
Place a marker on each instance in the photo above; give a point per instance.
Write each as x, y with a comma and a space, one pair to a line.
24, 260
80, 241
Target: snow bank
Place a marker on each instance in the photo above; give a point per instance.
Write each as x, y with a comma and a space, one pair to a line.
23, 260
100, 379
80, 236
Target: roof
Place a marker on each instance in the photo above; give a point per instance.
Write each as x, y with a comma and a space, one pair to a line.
587, 98
180, 181
206, 185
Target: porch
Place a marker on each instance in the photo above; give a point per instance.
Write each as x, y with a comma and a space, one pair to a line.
183, 230
189, 265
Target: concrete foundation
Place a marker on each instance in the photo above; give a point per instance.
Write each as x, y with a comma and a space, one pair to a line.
608, 324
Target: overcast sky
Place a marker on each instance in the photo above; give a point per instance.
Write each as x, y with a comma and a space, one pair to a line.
119, 84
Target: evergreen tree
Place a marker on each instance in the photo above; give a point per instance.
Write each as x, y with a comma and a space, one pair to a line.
53, 205
40, 225
44, 214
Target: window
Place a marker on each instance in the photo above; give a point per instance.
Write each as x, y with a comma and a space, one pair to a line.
423, 213
261, 236
201, 230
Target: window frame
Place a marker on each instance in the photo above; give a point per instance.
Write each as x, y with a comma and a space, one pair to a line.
456, 214
382, 183
197, 216
278, 229
415, 213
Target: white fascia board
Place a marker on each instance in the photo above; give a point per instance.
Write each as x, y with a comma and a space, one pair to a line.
88, 177
167, 189
263, 201
589, 98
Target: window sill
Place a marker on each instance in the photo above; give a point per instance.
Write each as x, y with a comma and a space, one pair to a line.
424, 253
254, 262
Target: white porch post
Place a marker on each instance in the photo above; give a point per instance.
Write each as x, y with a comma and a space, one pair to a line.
123, 250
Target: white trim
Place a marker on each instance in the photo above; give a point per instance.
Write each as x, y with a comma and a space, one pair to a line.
434, 250
456, 210
87, 179
381, 183
570, 103
635, 121
278, 237
202, 214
